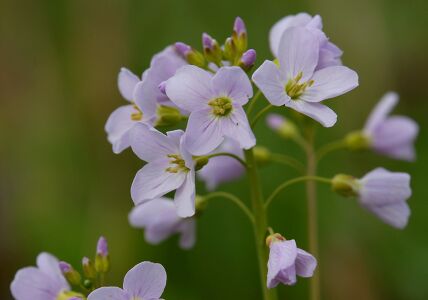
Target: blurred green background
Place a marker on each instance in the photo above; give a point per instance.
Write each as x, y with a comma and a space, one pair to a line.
61, 186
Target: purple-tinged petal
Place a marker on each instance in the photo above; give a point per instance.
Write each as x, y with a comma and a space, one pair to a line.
316, 111
234, 83
190, 88
315, 23
102, 246
145, 97
239, 26
49, 265
203, 133
150, 144
188, 233
182, 48
275, 34
305, 264
381, 111
185, 196
271, 82
108, 293
207, 41
146, 280
298, 53
153, 181
329, 83
237, 128
328, 58
126, 82
282, 257
117, 127
249, 58
397, 214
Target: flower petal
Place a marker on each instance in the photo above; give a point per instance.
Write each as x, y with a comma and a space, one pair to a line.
203, 133
126, 82
271, 82
146, 280
117, 127
145, 97
234, 83
305, 264
282, 256
49, 264
150, 144
381, 111
237, 128
316, 111
108, 293
298, 52
188, 233
190, 88
330, 82
185, 196
397, 214
153, 181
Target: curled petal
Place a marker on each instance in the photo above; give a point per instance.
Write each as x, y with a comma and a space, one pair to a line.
126, 82
146, 280
316, 111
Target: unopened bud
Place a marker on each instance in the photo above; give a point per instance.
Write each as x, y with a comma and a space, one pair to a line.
229, 51
201, 161
72, 276
248, 59
192, 56
182, 49
88, 284
200, 204
212, 50
275, 237
357, 140
88, 268
102, 263
261, 154
167, 116
284, 127
239, 35
345, 185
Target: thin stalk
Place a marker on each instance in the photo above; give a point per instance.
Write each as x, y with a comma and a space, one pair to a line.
235, 200
330, 147
253, 102
240, 160
287, 160
312, 214
287, 183
260, 223
260, 114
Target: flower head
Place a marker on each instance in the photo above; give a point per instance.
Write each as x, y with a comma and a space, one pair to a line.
297, 84
145, 281
160, 220
221, 169
215, 104
382, 192
286, 262
169, 167
393, 136
329, 53
44, 282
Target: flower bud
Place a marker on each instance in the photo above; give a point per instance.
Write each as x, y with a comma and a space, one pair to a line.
357, 140
230, 51
284, 127
239, 35
182, 49
88, 284
261, 154
273, 238
248, 59
200, 204
167, 116
88, 268
201, 161
345, 185
212, 50
102, 263
192, 56
72, 276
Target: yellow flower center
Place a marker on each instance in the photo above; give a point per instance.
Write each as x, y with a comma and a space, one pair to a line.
294, 89
66, 295
177, 164
221, 106
138, 115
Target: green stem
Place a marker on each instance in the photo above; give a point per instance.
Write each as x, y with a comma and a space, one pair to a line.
253, 102
287, 160
260, 114
260, 223
312, 214
328, 148
235, 200
291, 182
230, 155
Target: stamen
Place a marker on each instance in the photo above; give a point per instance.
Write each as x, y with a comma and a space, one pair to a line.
222, 106
294, 89
138, 115
177, 164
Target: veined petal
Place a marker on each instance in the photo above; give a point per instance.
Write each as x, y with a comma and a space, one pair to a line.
237, 128
282, 257
396, 215
330, 82
316, 111
153, 181
305, 264
126, 82
203, 133
108, 293
190, 88
270, 81
146, 280
298, 53
117, 127
232, 82
381, 111
185, 196
150, 144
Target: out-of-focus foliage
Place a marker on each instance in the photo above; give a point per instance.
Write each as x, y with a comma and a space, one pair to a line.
61, 186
